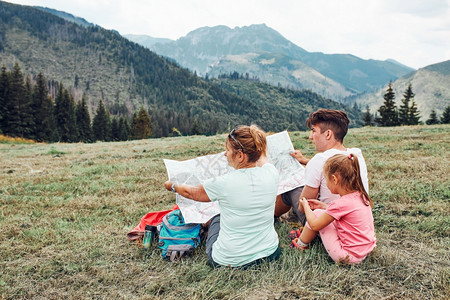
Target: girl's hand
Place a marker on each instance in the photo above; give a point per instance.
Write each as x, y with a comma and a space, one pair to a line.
316, 204
304, 202
168, 185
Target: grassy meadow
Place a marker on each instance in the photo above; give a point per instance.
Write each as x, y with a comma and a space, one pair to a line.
65, 210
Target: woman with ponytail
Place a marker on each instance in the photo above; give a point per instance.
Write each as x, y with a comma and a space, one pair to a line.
346, 224
243, 234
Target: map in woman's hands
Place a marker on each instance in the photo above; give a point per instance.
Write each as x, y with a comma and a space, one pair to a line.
195, 171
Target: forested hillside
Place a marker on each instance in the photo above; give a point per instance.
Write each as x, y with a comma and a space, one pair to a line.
103, 66
92, 60
282, 108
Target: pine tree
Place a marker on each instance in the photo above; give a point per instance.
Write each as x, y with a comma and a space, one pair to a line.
101, 126
115, 129
141, 128
42, 105
84, 121
65, 116
4, 91
433, 118
408, 114
403, 113
195, 128
445, 119
367, 117
156, 129
414, 115
124, 129
19, 120
29, 100
388, 111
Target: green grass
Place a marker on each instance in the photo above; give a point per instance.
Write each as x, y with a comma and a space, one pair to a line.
65, 210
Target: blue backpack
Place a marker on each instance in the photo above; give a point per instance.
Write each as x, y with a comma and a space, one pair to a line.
176, 238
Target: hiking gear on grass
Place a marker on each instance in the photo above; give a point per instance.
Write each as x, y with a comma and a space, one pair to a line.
176, 238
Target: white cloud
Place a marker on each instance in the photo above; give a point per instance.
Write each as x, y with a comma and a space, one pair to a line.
419, 8
414, 32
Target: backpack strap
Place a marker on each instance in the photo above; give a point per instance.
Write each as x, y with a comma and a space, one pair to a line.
180, 217
172, 227
196, 242
173, 255
175, 252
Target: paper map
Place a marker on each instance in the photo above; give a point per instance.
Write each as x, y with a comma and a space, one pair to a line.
291, 172
196, 171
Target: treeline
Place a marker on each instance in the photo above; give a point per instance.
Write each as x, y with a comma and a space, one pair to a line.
29, 111
237, 76
42, 110
168, 122
406, 114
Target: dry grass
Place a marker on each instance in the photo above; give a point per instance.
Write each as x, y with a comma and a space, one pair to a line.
66, 209
14, 140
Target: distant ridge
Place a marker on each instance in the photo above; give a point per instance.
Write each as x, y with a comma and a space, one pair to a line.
398, 63
145, 40
220, 49
66, 16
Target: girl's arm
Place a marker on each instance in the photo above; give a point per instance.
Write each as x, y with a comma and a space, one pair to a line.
196, 193
316, 223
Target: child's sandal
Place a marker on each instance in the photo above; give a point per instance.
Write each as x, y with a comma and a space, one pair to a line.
295, 233
298, 244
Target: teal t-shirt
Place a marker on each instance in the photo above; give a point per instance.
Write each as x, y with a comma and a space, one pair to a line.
246, 198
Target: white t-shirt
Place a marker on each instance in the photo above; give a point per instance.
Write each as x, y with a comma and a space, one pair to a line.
246, 198
315, 177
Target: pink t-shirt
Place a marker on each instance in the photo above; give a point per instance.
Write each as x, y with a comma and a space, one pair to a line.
354, 224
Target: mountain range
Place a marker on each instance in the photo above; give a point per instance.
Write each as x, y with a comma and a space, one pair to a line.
263, 52
105, 66
256, 51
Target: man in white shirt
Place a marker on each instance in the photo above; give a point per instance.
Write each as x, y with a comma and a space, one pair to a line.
328, 129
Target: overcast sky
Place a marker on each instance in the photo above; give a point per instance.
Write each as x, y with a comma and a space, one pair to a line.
413, 32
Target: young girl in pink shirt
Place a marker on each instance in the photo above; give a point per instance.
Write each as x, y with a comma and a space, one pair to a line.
346, 224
